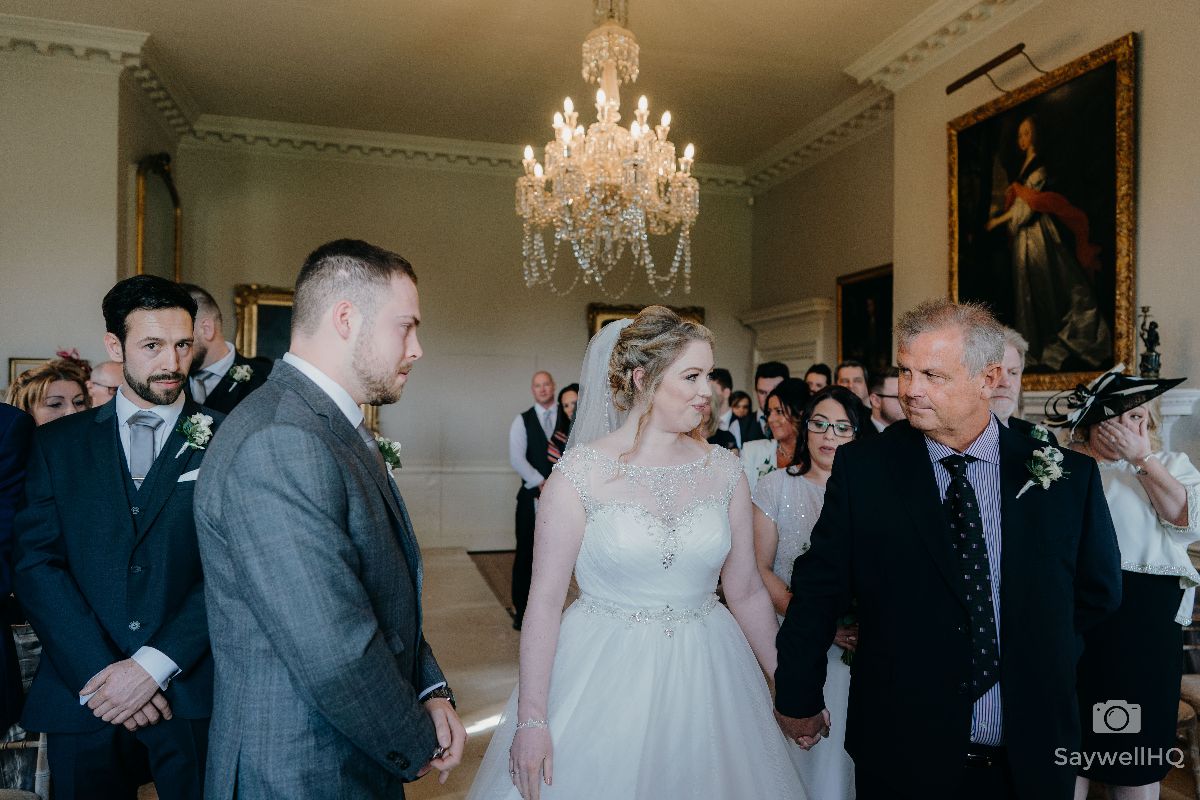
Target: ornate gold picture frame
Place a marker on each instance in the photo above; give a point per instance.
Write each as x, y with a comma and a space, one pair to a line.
864, 318
264, 324
1041, 214
600, 314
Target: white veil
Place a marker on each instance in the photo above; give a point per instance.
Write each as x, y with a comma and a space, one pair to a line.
595, 413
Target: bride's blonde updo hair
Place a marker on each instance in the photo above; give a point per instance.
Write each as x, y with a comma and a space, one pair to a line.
653, 341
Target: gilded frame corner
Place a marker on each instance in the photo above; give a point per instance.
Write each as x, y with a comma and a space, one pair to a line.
600, 314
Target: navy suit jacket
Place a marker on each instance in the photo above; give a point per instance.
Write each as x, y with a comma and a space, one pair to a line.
228, 392
16, 429
882, 542
102, 570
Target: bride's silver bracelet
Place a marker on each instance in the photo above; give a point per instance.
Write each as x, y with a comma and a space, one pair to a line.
533, 723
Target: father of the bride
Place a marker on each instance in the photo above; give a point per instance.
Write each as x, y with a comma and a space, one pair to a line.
971, 586
325, 686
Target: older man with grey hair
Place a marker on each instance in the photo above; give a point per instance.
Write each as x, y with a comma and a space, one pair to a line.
971, 657
1006, 397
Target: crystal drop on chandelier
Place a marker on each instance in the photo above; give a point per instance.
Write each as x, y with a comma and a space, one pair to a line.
604, 190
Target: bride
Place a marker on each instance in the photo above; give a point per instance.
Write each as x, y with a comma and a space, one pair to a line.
646, 687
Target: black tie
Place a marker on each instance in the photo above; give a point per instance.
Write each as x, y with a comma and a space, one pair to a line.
966, 527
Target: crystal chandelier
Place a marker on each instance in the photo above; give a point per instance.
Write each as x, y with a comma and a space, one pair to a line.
605, 189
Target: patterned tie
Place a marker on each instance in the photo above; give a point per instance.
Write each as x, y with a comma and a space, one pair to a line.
547, 424
141, 444
966, 527
369, 440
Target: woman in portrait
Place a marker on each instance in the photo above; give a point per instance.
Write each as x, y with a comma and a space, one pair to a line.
51, 390
1054, 299
1135, 655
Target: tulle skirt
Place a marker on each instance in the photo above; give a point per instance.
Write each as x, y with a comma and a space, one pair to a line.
637, 712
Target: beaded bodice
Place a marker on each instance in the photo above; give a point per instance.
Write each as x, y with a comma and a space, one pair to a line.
654, 536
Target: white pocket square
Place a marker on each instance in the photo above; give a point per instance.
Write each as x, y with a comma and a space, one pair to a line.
189, 476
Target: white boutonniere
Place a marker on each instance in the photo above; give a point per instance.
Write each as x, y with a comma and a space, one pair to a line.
241, 373
1042, 433
1046, 468
767, 467
196, 430
390, 450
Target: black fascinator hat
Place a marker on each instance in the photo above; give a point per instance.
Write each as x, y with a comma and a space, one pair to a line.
1110, 395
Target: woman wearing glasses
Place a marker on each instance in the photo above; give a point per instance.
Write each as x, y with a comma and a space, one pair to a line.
787, 503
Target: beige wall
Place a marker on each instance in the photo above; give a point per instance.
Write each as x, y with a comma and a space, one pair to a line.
141, 131
1167, 160
58, 206
253, 215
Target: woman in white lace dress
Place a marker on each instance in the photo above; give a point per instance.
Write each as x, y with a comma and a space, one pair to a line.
646, 687
787, 503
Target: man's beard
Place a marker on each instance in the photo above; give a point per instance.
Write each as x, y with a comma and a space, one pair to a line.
378, 383
145, 390
199, 353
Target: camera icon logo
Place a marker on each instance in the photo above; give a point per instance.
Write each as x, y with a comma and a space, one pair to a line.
1116, 716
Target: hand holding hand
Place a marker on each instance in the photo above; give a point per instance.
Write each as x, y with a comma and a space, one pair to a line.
451, 737
847, 637
531, 761
807, 731
150, 714
119, 691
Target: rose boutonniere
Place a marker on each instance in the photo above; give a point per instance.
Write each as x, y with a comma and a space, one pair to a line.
390, 450
240, 373
1042, 433
196, 430
1045, 467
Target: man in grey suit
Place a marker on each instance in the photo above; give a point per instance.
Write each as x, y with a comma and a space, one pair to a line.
325, 686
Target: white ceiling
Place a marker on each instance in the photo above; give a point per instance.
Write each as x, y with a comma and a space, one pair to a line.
737, 77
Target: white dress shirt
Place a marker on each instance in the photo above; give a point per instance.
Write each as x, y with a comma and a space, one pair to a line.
354, 415
214, 372
518, 441
157, 664
879, 426
728, 422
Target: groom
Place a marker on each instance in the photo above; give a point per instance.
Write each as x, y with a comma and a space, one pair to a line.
970, 599
325, 686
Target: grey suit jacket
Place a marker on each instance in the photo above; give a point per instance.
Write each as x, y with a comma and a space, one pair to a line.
313, 585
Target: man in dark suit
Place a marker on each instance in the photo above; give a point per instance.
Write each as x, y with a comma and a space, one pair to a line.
1006, 397
108, 569
767, 376
325, 685
16, 429
971, 586
221, 377
528, 453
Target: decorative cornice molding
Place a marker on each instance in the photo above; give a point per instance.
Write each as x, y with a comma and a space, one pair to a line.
932, 37
119, 48
82, 42
428, 152
835, 130
787, 312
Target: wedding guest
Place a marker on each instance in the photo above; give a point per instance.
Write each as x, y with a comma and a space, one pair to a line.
53, 389
104, 382
1133, 656
885, 402
326, 686
528, 452
720, 381
978, 674
767, 376
712, 433
1006, 397
787, 503
739, 406
568, 397
221, 377
785, 406
107, 567
818, 377
16, 430
853, 375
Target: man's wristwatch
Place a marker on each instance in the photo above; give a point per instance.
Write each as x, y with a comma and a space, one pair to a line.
445, 693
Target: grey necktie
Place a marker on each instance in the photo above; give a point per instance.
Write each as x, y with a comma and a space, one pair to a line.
199, 386
547, 426
369, 440
141, 444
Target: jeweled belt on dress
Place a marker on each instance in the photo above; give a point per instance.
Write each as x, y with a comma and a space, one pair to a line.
666, 616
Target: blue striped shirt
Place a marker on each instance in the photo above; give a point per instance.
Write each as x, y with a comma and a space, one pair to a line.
984, 476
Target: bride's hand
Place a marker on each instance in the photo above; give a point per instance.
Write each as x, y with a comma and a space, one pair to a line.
530, 761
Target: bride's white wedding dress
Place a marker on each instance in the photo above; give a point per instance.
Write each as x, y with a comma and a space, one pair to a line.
655, 693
